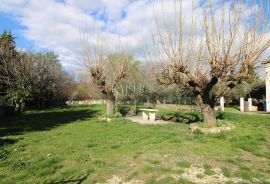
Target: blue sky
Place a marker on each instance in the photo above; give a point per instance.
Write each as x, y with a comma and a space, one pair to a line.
57, 25
8, 23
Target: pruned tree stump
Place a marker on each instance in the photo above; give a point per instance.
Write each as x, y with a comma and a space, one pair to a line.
195, 127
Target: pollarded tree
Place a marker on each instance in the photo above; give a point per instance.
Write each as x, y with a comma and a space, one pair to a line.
211, 47
107, 67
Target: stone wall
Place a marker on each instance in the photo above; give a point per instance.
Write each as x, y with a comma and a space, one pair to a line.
179, 107
86, 102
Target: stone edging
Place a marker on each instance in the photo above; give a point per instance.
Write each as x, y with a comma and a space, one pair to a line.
194, 126
108, 120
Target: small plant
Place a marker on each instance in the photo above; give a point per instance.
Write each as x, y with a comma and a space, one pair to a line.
227, 172
198, 131
155, 162
208, 170
117, 115
132, 175
148, 169
220, 123
220, 114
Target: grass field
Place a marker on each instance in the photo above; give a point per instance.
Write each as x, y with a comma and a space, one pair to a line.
69, 145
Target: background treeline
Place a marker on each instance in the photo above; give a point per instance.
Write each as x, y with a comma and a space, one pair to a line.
38, 80
26, 78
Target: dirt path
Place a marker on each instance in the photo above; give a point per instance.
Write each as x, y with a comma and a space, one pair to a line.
194, 174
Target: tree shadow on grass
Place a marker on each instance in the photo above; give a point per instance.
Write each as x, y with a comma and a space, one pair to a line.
77, 181
7, 141
39, 121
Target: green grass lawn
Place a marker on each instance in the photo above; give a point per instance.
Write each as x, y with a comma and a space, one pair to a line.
69, 145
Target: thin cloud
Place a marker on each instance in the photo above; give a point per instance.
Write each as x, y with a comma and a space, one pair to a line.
58, 25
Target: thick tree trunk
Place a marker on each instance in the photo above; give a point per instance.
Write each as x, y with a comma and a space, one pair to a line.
208, 113
110, 107
207, 105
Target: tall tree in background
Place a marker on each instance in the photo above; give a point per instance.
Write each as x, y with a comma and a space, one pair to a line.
244, 89
8, 56
37, 78
82, 89
218, 49
21, 86
47, 77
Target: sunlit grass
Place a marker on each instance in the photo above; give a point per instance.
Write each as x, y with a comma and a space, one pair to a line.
69, 144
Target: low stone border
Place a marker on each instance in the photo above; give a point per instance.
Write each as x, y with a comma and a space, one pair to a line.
194, 126
173, 119
108, 120
138, 119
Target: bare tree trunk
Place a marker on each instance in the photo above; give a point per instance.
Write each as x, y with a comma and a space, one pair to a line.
136, 107
207, 106
208, 113
110, 107
19, 106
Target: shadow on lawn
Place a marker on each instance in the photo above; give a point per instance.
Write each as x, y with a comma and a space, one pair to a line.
77, 181
7, 141
38, 121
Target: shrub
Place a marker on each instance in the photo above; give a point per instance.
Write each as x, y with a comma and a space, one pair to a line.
220, 114
197, 131
183, 117
124, 109
117, 115
221, 123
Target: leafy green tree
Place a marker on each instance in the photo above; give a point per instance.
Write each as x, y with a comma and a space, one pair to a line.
34, 78
243, 89
8, 55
